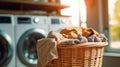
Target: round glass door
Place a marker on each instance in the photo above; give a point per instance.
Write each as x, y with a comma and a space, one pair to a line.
27, 46
5, 49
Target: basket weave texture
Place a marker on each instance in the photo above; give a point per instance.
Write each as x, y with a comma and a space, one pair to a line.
80, 55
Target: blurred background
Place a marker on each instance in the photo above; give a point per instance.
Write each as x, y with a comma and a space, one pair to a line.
22, 22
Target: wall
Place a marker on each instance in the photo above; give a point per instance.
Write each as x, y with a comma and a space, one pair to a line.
92, 16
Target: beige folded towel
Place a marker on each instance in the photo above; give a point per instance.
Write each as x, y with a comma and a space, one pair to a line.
47, 51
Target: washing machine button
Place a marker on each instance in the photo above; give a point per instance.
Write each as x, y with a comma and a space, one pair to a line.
36, 20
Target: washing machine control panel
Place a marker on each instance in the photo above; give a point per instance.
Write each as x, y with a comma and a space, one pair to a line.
39, 20
66, 21
24, 20
5, 19
55, 21
60, 21
31, 20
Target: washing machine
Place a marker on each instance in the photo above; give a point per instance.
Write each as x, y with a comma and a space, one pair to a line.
7, 41
28, 30
57, 23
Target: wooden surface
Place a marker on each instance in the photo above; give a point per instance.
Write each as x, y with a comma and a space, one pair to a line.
16, 12
31, 5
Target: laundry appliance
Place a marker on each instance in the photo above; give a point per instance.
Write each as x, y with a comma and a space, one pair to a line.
7, 41
28, 30
57, 23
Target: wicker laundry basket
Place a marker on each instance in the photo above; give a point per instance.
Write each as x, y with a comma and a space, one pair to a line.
80, 55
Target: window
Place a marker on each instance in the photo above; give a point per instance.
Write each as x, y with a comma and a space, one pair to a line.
114, 24
72, 11
77, 9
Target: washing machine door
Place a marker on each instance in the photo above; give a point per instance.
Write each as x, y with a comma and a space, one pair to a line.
5, 48
26, 46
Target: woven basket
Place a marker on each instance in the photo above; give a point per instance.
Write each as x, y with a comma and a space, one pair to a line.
80, 55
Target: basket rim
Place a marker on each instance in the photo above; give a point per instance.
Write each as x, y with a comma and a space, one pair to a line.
88, 44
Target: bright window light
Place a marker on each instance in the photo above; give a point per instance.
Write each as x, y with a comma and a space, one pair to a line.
72, 11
